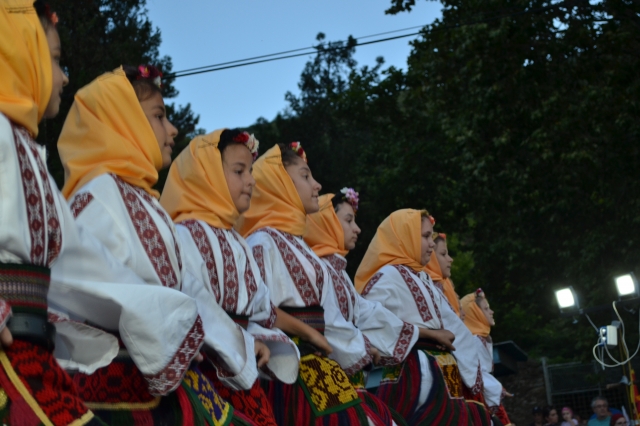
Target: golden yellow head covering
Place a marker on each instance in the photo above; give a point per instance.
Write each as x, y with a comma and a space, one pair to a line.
26, 77
196, 187
275, 202
106, 131
324, 234
435, 272
397, 242
474, 318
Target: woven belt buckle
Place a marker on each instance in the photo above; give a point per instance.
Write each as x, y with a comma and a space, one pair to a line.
32, 328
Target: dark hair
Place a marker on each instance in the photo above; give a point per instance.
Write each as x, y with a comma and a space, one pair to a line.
438, 239
289, 156
45, 15
337, 200
548, 409
144, 87
226, 138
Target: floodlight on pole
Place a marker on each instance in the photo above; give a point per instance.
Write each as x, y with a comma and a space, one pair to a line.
627, 285
567, 299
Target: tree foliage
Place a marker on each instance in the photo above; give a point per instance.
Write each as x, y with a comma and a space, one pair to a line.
516, 124
99, 36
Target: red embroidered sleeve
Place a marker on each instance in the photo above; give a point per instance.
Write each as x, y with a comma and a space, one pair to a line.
270, 322
364, 361
402, 346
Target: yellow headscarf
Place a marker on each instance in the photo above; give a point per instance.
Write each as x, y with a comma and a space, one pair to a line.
324, 234
26, 77
106, 131
275, 201
196, 187
435, 272
397, 242
474, 318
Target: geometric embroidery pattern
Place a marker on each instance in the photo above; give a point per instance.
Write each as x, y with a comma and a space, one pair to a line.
80, 202
230, 278
451, 373
149, 235
295, 269
418, 296
371, 283
311, 258
402, 346
206, 251
33, 200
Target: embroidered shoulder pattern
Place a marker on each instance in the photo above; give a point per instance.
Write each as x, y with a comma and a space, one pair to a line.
206, 251
230, 278
295, 268
374, 279
418, 296
311, 258
80, 202
363, 362
249, 278
258, 255
341, 292
33, 200
148, 234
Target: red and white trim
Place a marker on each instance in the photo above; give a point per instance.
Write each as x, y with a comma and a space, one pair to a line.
367, 288
363, 362
206, 251
402, 346
170, 377
148, 233
418, 296
230, 277
80, 202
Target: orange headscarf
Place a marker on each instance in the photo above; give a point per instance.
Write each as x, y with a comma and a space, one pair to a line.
196, 187
435, 272
25, 65
474, 318
106, 131
397, 242
275, 201
324, 234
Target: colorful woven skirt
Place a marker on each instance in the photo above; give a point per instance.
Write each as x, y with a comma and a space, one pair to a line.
118, 394
445, 403
34, 389
252, 403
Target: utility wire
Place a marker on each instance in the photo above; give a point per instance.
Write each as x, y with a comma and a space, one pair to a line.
314, 49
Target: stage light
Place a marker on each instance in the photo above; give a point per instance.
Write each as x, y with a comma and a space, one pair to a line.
627, 284
567, 299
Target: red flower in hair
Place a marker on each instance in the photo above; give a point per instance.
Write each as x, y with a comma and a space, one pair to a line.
297, 148
149, 72
241, 137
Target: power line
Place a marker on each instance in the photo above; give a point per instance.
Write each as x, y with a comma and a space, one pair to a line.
310, 50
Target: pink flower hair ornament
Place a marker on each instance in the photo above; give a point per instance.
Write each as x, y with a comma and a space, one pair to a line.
351, 196
250, 142
149, 72
297, 148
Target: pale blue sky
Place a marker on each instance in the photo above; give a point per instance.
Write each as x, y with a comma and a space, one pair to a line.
197, 33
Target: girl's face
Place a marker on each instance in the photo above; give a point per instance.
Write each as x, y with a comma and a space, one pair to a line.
60, 79
305, 184
237, 163
347, 219
444, 260
566, 415
427, 245
154, 110
488, 313
552, 417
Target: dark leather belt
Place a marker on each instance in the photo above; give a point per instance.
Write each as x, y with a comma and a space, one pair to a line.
32, 328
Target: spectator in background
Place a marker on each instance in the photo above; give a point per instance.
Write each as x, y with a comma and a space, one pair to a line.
567, 417
551, 416
600, 408
618, 420
538, 419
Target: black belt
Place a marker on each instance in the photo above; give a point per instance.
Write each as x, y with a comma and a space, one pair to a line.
32, 328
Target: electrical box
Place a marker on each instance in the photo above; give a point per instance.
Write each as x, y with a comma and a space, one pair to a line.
609, 336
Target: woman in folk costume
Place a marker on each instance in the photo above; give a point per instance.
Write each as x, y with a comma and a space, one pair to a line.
429, 388
114, 140
208, 187
478, 317
331, 234
299, 284
439, 269
46, 259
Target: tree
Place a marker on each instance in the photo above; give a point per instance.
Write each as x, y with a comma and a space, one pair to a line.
98, 36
